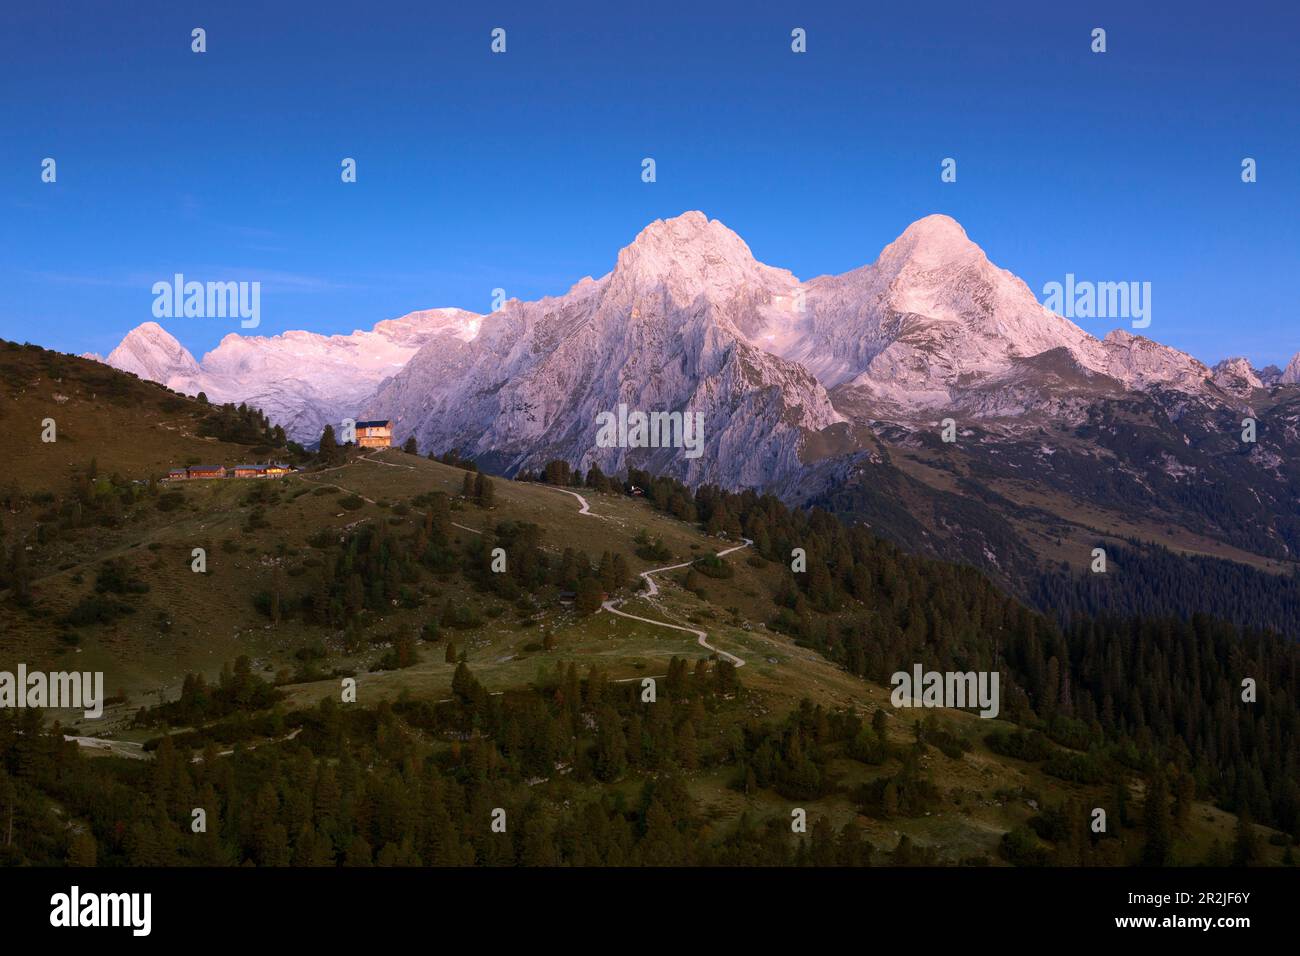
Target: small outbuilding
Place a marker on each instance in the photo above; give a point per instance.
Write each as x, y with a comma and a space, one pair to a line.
207, 471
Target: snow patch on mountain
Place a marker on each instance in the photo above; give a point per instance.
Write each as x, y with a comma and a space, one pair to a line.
688, 320
932, 322
668, 330
150, 352
301, 380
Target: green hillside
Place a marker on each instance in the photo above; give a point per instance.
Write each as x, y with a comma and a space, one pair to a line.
479, 688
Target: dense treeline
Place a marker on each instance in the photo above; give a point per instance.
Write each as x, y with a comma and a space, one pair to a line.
1153, 689
420, 782
1148, 580
238, 690
414, 783
1176, 687
242, 425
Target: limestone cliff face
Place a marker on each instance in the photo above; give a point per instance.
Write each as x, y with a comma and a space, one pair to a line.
688, 321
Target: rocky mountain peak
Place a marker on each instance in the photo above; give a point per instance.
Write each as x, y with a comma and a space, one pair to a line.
691, 254
1291, 374
151, 352
300, 379
932, 242
688, 318
1236, 376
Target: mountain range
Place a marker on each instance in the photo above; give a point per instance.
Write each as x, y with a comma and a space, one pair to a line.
833, 390
301, 380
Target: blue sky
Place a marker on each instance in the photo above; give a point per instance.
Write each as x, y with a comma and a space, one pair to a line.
522, 170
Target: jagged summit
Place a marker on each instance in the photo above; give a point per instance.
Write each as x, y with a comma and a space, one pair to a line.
1236, 376
151, 334
688, 317
689, 228
931, 312
151, 352
1291, 374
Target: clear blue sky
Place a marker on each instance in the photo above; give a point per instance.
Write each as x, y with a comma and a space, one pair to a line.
522, 170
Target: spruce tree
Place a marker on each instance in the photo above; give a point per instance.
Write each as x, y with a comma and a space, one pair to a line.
484, 492
1155, 821
1245, 844
329, 446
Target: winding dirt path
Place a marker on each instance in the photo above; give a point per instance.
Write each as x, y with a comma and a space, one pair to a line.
700, 636
585, 509
118, 748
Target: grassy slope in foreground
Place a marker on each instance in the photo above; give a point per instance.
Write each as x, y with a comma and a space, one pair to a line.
209, 619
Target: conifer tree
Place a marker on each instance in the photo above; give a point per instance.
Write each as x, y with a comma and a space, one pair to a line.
484, 492
1155, 822
329, 446
1245, 843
